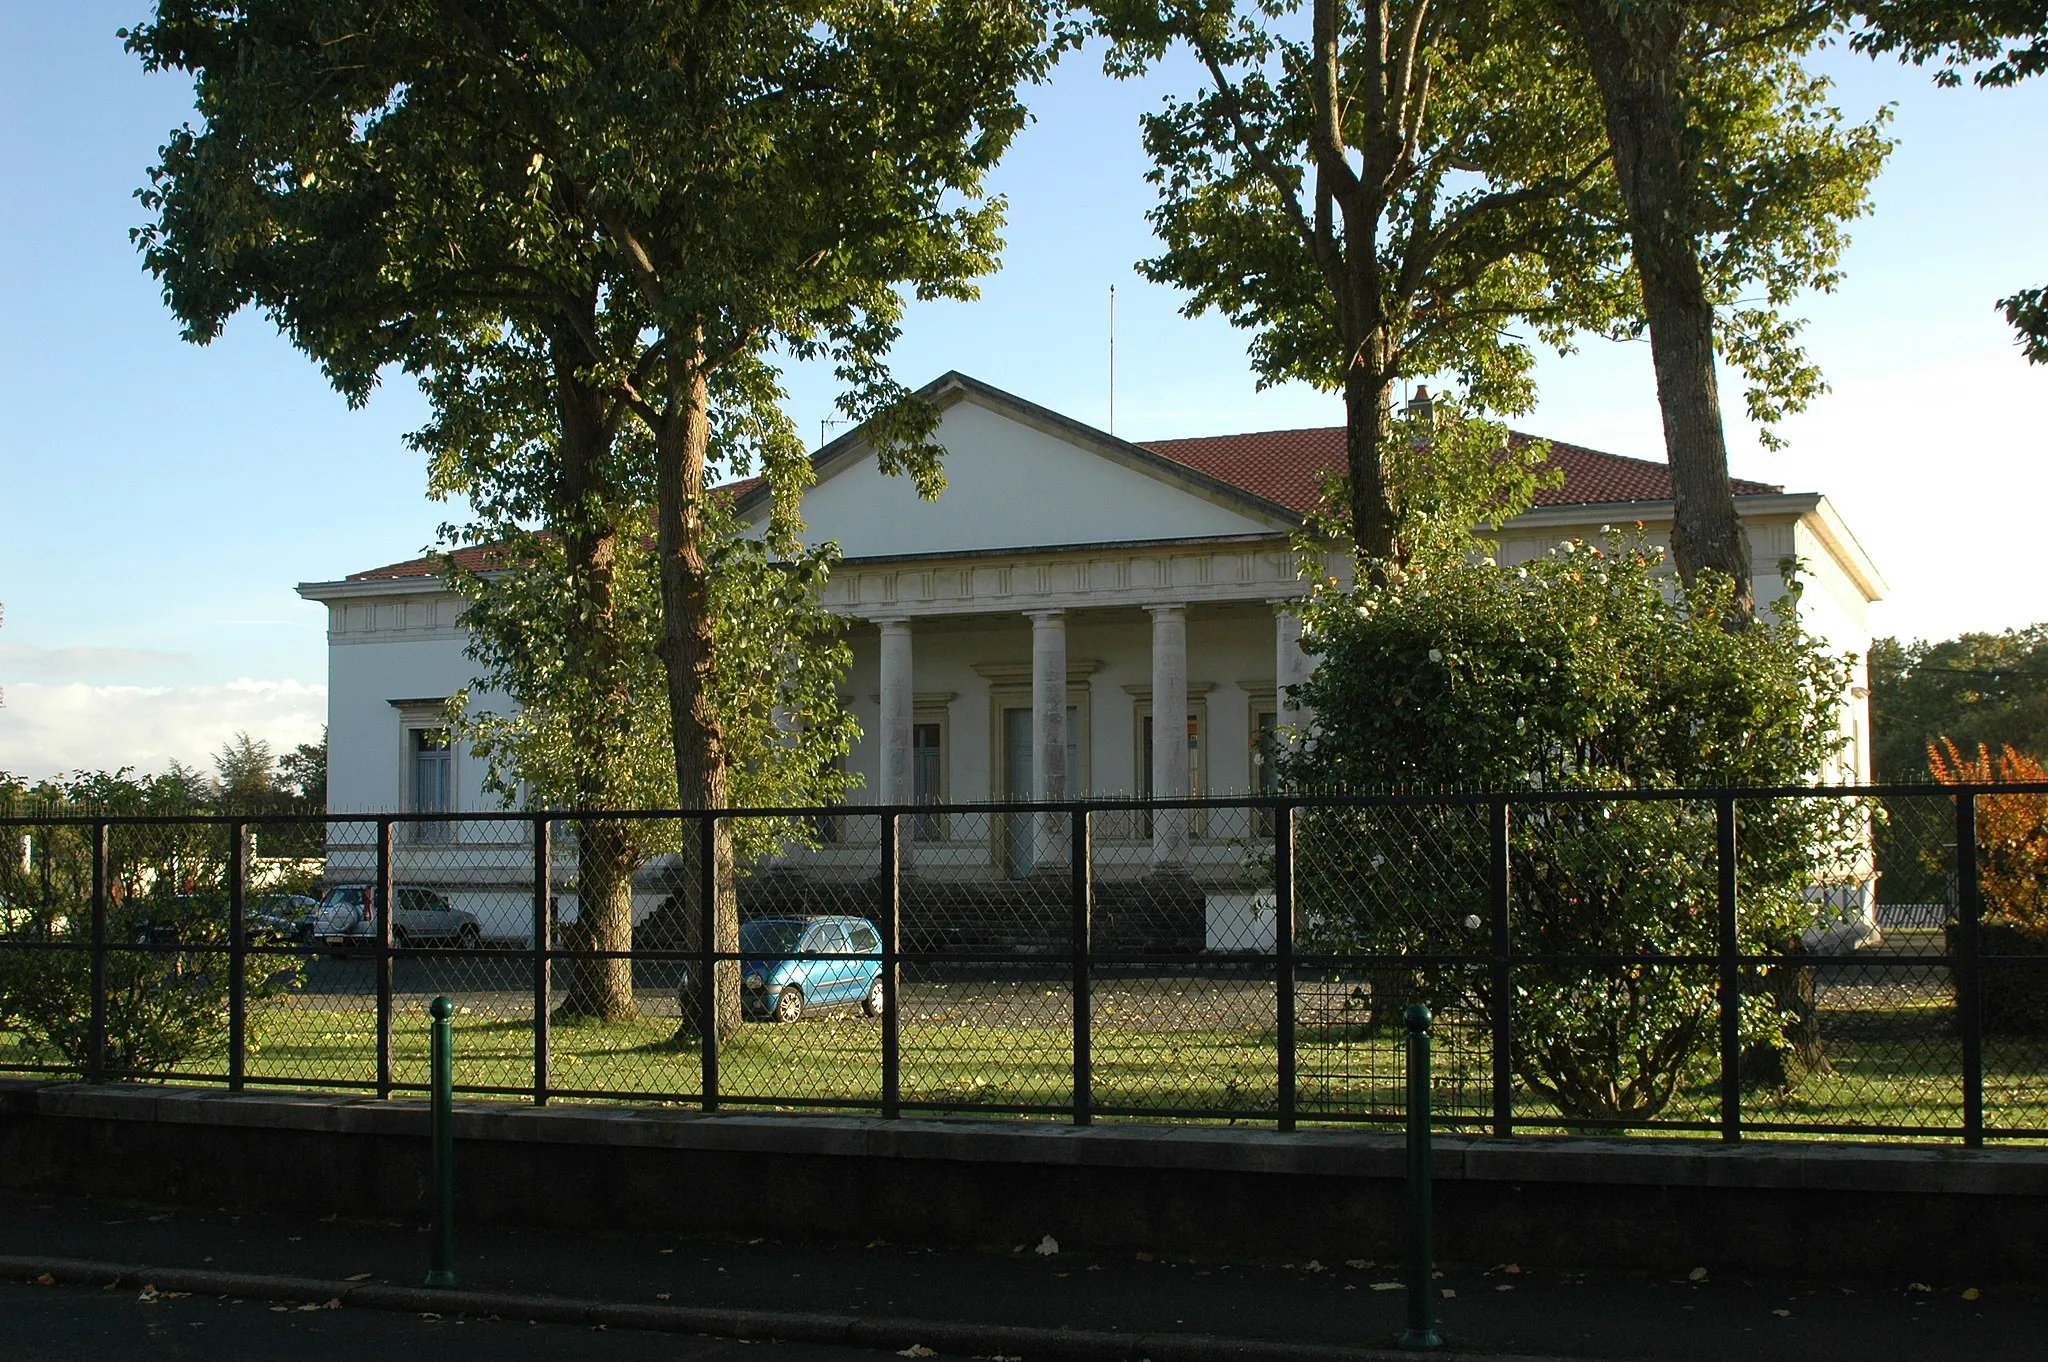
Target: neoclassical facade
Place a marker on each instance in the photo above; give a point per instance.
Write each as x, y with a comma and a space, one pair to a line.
1015, 638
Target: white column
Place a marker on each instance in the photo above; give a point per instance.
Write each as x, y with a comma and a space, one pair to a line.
1169, 732
1291, 667
1049, 734
899, 782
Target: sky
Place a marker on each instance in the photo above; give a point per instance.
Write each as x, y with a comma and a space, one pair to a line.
160, 500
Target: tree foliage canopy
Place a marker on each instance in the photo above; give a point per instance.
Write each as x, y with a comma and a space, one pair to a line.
1589, 669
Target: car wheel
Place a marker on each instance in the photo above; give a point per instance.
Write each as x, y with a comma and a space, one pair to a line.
789, 1005
872, 1004
468, 936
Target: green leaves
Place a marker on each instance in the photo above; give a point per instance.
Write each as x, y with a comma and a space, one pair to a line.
1589, 668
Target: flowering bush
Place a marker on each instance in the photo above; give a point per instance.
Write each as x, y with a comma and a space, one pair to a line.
2012, 831
1587, 669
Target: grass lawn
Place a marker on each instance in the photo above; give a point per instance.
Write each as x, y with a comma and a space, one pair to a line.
1207, 1053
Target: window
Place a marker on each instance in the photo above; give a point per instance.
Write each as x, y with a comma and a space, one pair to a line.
433, 780
928, 779
830, 828
1265, 747
1197, 774
864, 938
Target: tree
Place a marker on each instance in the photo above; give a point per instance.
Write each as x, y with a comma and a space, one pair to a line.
631, 204
247, 772
1584, 670
1382, 199
2007, 41
166, 884
1988, 690
1737, 177
303, 773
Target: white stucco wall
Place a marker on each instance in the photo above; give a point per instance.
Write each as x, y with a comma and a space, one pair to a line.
1008, 485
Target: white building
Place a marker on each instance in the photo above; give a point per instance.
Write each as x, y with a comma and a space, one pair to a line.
1013, 638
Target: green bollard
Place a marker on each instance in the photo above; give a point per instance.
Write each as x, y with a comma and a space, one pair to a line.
441, 1107
1421, 1331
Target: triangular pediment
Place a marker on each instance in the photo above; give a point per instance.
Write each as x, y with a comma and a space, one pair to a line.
1018, 476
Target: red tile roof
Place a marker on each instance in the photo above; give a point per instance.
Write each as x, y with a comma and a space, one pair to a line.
476, 558
1283, 465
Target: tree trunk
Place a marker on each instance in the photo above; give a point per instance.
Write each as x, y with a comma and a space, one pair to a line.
686, 652
1636, 54
1368, 419
585, 514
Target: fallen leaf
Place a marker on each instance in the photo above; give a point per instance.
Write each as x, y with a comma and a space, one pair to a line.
1047, 1247
158, 1219
1782, 1314
1512, 1269
1504, 1286
279, 1309
1448, 1293
1093, 1267
1313, 1266
46, 1280
309, 1306
1145, 1258
666, 1250
661, 1295
1360, 1263
1387, 1286
916, 1350
1698, 1274
428, 1314
1971, 1293
1918, 1286
358, 1277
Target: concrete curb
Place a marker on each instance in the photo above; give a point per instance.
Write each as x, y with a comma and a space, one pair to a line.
946, 1337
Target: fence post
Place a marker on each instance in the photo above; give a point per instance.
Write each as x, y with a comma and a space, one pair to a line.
1421, 1331
238, 955
1083, 890
1503, 981
543, 941
1968, 967
385, 911
1728, 952
707, 954
1283, 961
892, 967
441, 1119
96, 1057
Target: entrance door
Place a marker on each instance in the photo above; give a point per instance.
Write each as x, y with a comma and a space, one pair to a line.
1016, 831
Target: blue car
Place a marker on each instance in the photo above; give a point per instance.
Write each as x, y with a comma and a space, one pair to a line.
777, 988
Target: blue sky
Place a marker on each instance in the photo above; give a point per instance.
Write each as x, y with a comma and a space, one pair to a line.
158, 500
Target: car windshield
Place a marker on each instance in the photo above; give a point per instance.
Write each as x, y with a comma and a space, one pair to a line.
343, 896
770, 937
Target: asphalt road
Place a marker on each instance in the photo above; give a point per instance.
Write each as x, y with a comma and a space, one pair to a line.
78, 1324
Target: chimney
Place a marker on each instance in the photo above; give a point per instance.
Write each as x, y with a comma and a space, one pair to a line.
1421, 407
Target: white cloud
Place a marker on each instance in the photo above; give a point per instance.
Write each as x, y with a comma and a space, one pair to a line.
32, 661
46, 730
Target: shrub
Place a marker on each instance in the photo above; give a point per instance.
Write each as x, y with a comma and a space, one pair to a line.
1589, 669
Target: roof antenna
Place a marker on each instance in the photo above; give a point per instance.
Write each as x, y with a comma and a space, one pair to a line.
1112, 359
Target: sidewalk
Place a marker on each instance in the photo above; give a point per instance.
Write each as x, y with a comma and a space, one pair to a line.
993, 1303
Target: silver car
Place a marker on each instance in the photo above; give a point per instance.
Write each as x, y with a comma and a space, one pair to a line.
348, 918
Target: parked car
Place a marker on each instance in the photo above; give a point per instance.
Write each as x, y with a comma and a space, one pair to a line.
775, 987
348, 918
283, 919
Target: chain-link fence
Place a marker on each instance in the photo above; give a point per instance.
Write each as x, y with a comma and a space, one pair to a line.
1786, 963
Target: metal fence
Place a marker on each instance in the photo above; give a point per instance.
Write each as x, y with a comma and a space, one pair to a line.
1709, 961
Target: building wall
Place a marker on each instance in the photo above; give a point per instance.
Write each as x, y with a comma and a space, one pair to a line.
1008, 485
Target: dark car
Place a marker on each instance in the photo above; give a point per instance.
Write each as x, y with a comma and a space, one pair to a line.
286, 919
